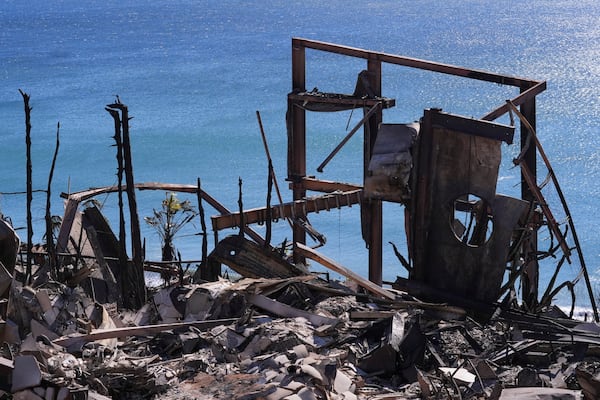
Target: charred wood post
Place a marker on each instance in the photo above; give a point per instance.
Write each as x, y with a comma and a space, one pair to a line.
52, 258
133, 284
202, 224
208, 270
269, 216
118, 143
26, 98
121, 248
241, 208
271, 181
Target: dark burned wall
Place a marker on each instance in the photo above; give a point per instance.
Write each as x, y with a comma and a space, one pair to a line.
456, 170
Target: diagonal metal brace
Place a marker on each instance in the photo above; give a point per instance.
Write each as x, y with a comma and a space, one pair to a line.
364, 119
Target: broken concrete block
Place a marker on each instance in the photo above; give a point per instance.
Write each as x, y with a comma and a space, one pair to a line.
282, 360
306, 394
198, 305
460, 375
26, 373
63, 394
342, 383
96, 396
44, 299
40, 391
50, 393
5, 280
270, 375
349, 396
26, 395
536, 393
11, 332
165, 306
294, 386
301, 351
312, 371
279, 394
37, 330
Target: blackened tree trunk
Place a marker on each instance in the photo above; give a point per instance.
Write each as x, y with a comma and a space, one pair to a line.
132, 283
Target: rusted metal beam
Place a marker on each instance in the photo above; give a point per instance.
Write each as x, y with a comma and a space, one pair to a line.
360, 123
74, 199
354, 102
325, 186
411, 62
475, 127
298, 208
525, 96
539, 197
296, 131
525, 122
373, 210
531, 193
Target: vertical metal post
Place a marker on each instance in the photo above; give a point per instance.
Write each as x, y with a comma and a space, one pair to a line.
296, 125
375, 206
531, 283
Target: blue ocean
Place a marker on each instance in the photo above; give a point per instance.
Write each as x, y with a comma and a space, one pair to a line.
194, 73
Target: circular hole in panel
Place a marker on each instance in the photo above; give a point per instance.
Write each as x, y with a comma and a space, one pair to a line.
472, 220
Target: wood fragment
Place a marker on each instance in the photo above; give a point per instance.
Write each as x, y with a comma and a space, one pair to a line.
283, 310
101, 334
26, 98
307, 252
53, 260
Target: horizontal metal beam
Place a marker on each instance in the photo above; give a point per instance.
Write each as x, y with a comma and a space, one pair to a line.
298, 208
324, 186
412, 62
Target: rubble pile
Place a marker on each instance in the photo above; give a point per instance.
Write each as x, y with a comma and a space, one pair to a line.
294, 338
77, 320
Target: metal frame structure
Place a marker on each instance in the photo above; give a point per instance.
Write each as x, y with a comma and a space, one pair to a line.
372, 210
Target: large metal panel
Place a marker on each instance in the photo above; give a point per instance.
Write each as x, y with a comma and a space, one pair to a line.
461, 228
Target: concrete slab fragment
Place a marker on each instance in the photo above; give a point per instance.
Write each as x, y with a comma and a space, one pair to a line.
26, 373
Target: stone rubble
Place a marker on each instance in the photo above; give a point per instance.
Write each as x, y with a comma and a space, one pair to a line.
299, 338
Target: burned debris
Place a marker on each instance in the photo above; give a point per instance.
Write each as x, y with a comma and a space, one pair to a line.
78, 321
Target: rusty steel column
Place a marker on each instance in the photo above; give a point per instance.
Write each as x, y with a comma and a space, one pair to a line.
296, 125
530, 284
375, 206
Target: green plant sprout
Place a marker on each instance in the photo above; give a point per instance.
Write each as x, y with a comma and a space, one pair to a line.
173, 216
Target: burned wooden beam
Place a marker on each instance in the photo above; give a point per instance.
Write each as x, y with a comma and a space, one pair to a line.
53, 260
298, 208
325, 186
251, 260
29, 172
340, 269
100, 334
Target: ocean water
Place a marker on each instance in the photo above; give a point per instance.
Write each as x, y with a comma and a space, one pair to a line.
193, 74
